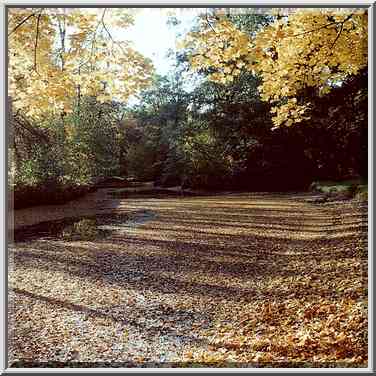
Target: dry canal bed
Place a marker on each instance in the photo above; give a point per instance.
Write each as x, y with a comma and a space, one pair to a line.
243, 280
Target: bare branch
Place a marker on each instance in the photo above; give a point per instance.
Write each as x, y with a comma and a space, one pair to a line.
339, 33
21, 23
326, 26
105, 27
93, 40
208, 22
62, 32
109, 34
36, 41
313, 30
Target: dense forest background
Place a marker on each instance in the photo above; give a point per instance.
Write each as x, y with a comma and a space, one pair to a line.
204, 134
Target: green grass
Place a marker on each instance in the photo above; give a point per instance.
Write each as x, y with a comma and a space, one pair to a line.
356, 188
326, 186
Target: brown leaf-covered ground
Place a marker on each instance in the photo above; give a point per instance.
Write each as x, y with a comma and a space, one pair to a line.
244, 280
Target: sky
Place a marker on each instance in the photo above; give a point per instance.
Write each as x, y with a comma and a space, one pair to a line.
153, 37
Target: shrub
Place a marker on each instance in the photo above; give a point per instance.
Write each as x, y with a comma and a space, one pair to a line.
51, 193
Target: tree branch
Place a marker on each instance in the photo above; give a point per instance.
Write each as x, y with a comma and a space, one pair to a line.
25, 124
109, 34
36, 41
62, 32
105, 27
326, 26
21, 23
93, 40
208, 22
339, 33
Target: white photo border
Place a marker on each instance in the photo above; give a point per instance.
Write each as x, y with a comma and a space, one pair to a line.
5, 4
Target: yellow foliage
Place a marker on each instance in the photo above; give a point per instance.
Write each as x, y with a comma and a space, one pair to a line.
307, 49
55, 52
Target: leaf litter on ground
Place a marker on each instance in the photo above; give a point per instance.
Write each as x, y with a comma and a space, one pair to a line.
250, 280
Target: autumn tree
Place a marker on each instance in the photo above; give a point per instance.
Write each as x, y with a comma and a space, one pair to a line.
299, 53
70, 73
57, 56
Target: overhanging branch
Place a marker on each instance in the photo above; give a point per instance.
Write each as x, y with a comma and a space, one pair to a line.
21, 23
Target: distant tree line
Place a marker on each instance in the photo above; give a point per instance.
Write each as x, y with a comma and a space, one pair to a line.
216, 134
